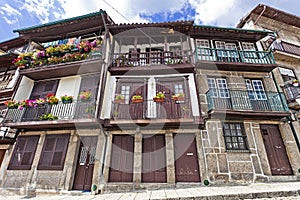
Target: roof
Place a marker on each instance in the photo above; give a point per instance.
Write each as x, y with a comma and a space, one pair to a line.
180, 26
66, 28
207, 32
272, 13
12, 43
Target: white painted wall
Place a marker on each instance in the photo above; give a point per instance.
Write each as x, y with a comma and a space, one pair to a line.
68, 86
24, 89
14, 79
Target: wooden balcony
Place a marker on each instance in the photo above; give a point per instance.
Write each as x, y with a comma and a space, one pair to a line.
292, 94
91, 64
67, 115
7, 135
146, 112
286, 47
4, 81
159, 62
245, 104
225, 59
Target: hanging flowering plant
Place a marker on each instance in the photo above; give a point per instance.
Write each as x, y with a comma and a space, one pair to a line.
85, 95
27, 103
40, 101
19, 62
11, 103
51, 99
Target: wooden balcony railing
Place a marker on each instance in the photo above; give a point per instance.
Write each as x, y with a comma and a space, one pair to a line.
291, 92
234, 56
151, 58
4, 80
246, 100
68, 111
169, 109
286, 47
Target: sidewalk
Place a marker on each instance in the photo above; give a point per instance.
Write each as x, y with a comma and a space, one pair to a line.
291, 190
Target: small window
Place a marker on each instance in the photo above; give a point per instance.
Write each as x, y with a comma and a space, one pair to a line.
218, 87
255, 90
235, 137
23, 154
228, 49
249, 50
54, 152
125, 91
203, 47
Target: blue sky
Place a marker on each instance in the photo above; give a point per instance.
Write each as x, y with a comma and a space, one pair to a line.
15, 14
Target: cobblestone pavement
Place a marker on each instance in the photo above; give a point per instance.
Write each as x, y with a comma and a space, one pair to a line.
262, 191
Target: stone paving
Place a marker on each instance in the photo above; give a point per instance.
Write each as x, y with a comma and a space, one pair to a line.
276, 191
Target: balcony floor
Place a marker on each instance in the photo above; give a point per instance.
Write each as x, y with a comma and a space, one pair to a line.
247, 114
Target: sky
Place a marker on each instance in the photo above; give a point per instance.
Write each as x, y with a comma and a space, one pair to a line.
16, 14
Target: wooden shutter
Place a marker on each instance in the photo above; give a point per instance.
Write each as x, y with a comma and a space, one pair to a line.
41, 89
23, 153
54, 152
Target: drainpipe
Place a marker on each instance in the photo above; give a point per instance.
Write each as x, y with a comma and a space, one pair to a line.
289, 117
260, 15
103, 160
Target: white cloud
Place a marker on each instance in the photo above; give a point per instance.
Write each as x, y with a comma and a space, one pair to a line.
10, 14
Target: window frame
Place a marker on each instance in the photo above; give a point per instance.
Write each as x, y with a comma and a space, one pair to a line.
233, 138
31, 142
203, 47
254, 92
218, 90
63, 151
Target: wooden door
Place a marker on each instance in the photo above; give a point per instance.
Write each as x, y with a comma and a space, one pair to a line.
40, 90
85, 163
121, 165
154, 159
186, 159
276, 152
87, 109
2, 154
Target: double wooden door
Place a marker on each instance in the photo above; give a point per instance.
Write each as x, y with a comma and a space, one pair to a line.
85, 163
276, 152
121, 165
154, 159
186, 159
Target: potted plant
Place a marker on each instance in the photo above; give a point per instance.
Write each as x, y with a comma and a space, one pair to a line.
178, 97
51, 99
137, 99
48, 116
295, 83
159, 97
66, 99
11, 104
27, 103
119, 99
20, 62
39, 101
85, 95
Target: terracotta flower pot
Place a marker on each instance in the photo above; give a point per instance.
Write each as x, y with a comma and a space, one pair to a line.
159, 100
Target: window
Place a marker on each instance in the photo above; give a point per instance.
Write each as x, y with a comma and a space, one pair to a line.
125, 91
23, 154
203, 47
54, 152
255, 90
250, 51
218, 87
230, 49
287, 74
178, 88
235, 137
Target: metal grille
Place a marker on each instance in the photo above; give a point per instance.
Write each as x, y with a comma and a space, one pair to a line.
83, 155
92, 155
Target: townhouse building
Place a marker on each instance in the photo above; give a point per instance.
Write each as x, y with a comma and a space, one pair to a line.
154, 105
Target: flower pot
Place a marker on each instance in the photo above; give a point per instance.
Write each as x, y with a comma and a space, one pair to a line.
53, 103
85, 100
119, 101
137, 100
12, 107
67, 101
296, 84
159, 100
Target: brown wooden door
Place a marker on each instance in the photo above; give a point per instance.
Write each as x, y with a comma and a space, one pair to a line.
2, 154
276, 151
154, 159
85, 163
121, 165
186, 160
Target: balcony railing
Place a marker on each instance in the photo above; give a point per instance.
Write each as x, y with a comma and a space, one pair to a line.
169, 109
4, 80
291, 92
63, 111
286, 47
234, 56
151, 58
244, 100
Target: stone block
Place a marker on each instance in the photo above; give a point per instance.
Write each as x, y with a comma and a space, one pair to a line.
223, 165
256, 165
248, 177
221, 178
240, 167
212, 163
236, 176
